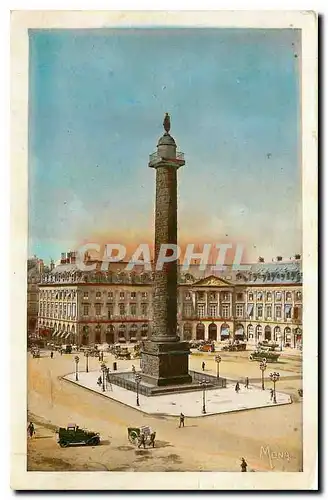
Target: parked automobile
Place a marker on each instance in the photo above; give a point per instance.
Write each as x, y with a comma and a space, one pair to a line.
268, 344
122, 353
269, 356
73, 435
66, 348
236, 346
207, 347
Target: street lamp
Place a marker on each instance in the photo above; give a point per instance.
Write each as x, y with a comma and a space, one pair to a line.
104, 371
77, 359
218, 360
204, 384
263, 367
138, 380
87, 361
274, 377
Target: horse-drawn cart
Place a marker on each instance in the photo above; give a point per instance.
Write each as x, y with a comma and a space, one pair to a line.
135, 434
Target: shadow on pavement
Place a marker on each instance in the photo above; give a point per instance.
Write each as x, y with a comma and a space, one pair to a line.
124, 448
104, 442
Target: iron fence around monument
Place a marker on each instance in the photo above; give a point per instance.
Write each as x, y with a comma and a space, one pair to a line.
125, 381
198, 377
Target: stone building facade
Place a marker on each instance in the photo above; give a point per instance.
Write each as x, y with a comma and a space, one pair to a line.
87, 307
35, 269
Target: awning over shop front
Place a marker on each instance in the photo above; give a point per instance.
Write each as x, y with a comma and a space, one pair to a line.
54, 333
239, 332
250, 309
225, 332
67, 335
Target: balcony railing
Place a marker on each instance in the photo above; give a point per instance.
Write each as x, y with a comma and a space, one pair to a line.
154, 157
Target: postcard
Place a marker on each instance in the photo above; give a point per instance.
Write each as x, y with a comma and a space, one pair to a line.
164, 218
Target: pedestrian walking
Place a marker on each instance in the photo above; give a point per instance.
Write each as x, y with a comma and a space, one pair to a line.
203, 366
61, 352
271, 394
30, 429
133, 369
152, 439
182, 419
99, 381
237, 388
243, 465
51, 354
247, 382
142, 440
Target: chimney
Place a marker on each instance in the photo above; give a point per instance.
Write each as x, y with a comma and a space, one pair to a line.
62, 260
40, 266
73, 257
52, 265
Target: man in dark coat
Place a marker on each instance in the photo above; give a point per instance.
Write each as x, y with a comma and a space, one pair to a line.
203, 365
182, 419
243, 465
142, 440
152, 439
30, 429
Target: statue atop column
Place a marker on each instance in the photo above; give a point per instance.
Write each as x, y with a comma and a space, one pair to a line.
167, 123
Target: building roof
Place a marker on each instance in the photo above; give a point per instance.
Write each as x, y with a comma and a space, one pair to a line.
260, 273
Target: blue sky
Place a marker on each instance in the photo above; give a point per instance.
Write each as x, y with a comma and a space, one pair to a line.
96, 104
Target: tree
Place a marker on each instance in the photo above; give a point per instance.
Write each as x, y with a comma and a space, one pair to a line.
261, 259
297, 256
279, 258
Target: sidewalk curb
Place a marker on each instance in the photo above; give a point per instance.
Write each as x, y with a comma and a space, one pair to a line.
167, 415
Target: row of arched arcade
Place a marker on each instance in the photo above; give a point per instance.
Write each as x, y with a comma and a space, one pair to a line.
255, 333
96, 334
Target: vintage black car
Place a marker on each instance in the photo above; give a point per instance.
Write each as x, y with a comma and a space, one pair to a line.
73, 436
269, 356
236, 346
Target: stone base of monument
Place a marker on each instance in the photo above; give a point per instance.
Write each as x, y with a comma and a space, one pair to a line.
165, 364
164, 370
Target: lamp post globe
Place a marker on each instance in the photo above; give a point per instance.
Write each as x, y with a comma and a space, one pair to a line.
103, 369
138, 380
77, 359
263, 367
218, 360
204, 384
274, 377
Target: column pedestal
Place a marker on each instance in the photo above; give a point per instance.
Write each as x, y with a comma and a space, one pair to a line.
165, 363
